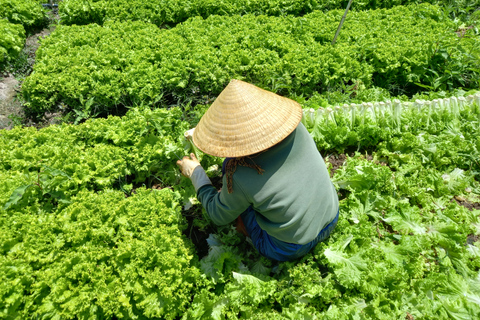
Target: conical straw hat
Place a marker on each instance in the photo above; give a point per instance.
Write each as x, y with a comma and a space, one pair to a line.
244, 120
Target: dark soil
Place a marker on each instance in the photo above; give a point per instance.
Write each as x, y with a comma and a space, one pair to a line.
198, 235
469, 205
336, 161
462, 31
471, 238
195, 234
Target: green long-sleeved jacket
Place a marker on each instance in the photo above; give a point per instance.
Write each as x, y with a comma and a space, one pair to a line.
294, 198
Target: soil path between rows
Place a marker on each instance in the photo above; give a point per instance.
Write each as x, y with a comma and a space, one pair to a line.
11, 106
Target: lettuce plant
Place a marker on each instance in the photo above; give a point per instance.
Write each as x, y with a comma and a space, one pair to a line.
29, 13
11, 42
288, 55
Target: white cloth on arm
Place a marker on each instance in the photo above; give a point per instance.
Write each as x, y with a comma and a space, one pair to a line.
199, 178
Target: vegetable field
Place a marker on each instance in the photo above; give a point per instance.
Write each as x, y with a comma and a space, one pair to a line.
96, 221
132, 63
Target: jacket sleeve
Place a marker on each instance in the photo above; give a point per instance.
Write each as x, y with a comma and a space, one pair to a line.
223, 207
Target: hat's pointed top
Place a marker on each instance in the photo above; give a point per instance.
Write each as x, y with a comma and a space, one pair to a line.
245, 119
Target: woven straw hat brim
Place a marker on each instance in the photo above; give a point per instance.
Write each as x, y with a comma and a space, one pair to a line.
245, 120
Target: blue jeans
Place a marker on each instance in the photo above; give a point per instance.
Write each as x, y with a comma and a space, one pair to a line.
275, 249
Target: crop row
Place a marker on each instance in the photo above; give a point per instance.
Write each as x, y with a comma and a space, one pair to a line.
11, 42
369, 123
171, 12
17, 18
106, 153
134, 63
390, 113
29, 13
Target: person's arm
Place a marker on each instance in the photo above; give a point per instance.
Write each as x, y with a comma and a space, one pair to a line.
223, 207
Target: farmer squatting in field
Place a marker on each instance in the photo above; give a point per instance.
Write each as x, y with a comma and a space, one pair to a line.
277, 185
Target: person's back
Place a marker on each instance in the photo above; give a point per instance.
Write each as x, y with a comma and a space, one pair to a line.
294, 197
283, 194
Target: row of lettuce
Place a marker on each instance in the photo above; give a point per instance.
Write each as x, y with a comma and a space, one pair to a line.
337, 127
83, 234
11, 42
31, 15
97, 69
17, 19
172, 12
28, 13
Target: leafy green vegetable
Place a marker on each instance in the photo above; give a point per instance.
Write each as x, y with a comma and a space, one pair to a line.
11, 42
402, 246
16, 196
29, 13
172, 12
133, 63
367, 124
103, 255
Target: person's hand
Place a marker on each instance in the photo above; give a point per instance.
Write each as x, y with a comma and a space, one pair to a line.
187, 165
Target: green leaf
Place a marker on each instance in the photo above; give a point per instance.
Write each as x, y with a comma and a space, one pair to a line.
59, 196
424, 86
55, 172
246, 279
16, 196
